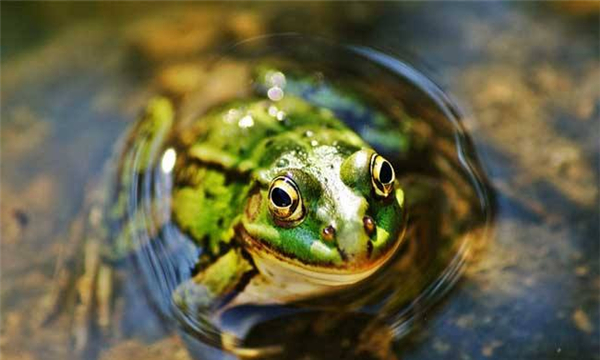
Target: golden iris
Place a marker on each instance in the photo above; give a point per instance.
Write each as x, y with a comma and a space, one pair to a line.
285, 201
382, 175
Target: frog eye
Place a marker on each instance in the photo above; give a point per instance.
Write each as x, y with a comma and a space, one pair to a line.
285, 201
382, 175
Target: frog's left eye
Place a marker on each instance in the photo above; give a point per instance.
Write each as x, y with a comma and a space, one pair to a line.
285, 201
382, 175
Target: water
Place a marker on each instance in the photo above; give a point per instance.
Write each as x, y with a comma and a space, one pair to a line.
527, 288
449, 205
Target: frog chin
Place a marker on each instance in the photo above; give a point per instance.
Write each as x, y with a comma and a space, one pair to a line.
286, 270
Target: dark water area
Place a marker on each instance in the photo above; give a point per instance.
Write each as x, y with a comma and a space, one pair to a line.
522, 77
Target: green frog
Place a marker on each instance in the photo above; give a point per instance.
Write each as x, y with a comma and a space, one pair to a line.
297, 200
280, 198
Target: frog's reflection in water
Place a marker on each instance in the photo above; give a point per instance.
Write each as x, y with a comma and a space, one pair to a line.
286, 332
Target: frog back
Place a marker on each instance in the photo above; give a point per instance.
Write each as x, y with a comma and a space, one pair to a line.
236, 137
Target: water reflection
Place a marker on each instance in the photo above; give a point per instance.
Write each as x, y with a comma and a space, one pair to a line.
55, 105
168, 160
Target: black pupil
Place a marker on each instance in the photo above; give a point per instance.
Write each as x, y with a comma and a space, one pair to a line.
280, 198
385, 173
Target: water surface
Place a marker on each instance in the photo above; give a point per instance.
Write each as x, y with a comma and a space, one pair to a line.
532, 110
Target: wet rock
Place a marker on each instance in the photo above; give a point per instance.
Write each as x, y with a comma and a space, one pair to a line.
176, 34
181, 79
488, 349
582, 321
169, 348
247, 24
32, 205
22, 132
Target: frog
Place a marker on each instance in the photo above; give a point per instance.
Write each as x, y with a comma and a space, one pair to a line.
320, 207
281, 199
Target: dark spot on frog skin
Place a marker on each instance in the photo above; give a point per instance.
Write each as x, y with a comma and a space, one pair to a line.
343, 254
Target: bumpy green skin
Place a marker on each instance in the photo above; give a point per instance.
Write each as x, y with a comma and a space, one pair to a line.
225, 164
328, 162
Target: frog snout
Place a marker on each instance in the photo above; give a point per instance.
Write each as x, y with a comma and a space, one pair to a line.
353, 239
329, 232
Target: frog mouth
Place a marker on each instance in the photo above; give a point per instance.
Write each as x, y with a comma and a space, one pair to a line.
268, 260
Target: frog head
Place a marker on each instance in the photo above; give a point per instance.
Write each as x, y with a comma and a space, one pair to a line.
326, 205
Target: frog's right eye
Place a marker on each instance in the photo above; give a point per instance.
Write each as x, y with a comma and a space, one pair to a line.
382, 175
285, 201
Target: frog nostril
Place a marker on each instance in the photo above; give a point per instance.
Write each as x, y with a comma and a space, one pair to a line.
369, 224
329, 233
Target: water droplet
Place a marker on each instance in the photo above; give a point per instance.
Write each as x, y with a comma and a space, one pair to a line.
280, 115
273, 110
282, 163
231, 116
275, 78
246, 122
275, 93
